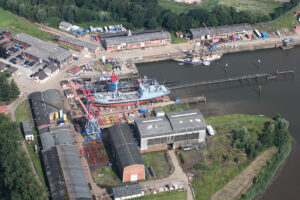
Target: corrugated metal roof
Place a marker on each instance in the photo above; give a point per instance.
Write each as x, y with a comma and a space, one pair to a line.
187, 120
65, 24
27, 128
137, 38
198, 32
38, 53
126, 190
153, 126
64, 136
47, 140
54, 176
39, 109
78, 42
53, 100
125, 145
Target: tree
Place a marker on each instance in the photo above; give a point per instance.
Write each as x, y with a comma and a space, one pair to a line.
151, 23
241, 138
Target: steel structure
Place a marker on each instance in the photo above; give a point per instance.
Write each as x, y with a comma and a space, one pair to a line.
92, 127
214, 41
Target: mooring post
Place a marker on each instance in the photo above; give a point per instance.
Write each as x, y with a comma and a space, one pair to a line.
259, 89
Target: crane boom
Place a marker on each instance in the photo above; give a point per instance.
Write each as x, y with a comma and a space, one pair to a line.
206, 28
89, 116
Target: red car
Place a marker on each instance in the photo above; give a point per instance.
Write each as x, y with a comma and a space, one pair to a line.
7, 34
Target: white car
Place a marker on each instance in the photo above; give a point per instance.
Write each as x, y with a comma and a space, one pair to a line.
210, 130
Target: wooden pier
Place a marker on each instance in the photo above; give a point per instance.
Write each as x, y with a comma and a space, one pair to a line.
247, 78
193, 100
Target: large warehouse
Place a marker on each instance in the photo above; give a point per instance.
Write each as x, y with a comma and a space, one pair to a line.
129, 160
42, 51
78, 44
220, 32
60, 156
172, 130
130, 41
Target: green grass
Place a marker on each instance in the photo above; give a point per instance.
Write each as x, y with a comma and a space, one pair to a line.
229, 123
260, 7
176, 7
176, 40
17, 25
158, 162
178, 107
286, 21
174, 195
23, 113
109, 178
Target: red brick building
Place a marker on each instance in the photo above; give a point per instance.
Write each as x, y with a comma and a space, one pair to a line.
129, 161
78, 44
141, 40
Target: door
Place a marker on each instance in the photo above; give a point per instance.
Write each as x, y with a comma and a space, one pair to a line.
134, 177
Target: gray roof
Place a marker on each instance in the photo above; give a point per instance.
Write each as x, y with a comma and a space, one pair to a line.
53, 100
171, 123
137, 38
74, 177
39, 109
198, 32
78, 42
153, 126
47, 140
65, 24
52, 68
27, 128
38, 53
43, 49
3, 65
41, 75
124, 145
54, 175
187, 120
63, 136
12, 70
126, 190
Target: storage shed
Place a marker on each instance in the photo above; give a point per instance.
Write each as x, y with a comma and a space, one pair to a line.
27, 130
129, 161
129, 191
65, 26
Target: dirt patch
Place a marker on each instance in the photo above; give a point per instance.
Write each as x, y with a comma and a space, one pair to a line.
243, 181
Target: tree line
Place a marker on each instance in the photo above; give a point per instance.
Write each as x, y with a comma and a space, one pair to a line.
273, 134
16, 177
8, 89
134, 14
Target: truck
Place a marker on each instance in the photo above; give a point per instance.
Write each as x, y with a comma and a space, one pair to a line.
257, 33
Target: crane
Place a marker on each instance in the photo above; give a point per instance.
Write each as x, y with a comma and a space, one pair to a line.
215, 40
92, 127
113, 76
87, 92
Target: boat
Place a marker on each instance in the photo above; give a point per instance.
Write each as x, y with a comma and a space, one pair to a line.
190, 61
212, 57
206, 63
148, 90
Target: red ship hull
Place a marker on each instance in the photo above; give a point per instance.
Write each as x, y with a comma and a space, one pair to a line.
132, 103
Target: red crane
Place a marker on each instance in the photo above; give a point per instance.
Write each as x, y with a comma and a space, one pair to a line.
214, 37
113, 76
87, 92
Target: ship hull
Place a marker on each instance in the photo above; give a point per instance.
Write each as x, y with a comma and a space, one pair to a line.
129, 103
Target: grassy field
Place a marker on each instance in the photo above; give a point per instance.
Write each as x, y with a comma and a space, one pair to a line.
174, 195
286, 21
176, 107
217, 164
176, 40
176, 7
23, 113
108, 178
229, 123
254, 6
158, 162
17, 25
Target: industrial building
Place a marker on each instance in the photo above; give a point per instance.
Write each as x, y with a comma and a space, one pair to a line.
171, 131
222, 32
129, 161
60, 155
128, 191
78, 44
65, 26
137, 40
42, 51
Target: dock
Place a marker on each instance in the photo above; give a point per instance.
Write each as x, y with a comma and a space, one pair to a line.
245, 78
193, 100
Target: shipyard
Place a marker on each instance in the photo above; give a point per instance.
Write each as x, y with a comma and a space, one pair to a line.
112, 112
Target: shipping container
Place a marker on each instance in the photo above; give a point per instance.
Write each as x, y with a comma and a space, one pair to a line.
143, 110
265, 34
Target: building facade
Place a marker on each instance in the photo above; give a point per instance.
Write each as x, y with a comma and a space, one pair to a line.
142, 40
171, 131
78, 44
129, 161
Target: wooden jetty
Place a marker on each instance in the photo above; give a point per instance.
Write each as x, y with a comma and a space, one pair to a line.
248, 78
193, 99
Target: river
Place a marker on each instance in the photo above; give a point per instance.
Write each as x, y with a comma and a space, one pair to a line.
277, 97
